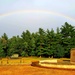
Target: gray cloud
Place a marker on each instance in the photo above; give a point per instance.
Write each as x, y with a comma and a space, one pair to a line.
16, 23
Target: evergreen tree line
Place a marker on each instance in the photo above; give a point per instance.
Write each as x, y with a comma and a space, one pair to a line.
42, 43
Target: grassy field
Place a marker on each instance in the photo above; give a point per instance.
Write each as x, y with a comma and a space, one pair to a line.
27, 69
20, 60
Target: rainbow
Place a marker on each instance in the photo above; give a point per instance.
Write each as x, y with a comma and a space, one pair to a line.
36, 11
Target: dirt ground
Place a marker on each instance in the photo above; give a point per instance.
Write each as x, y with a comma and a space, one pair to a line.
30, 70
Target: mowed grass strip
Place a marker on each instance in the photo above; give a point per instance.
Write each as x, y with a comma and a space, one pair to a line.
31, 59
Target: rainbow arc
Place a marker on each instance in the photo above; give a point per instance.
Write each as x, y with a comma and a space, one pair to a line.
37, 11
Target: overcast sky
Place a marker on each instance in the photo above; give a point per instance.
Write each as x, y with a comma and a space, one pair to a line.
17, 16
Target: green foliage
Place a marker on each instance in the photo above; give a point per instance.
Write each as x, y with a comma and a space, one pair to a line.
24, 54
42, 43
59, 51
2, 54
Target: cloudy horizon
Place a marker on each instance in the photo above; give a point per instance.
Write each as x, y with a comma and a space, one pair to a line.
17, 16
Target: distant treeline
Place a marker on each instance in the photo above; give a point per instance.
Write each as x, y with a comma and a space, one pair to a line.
42, 43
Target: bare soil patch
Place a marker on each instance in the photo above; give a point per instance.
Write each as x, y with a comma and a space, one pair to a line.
31, 70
